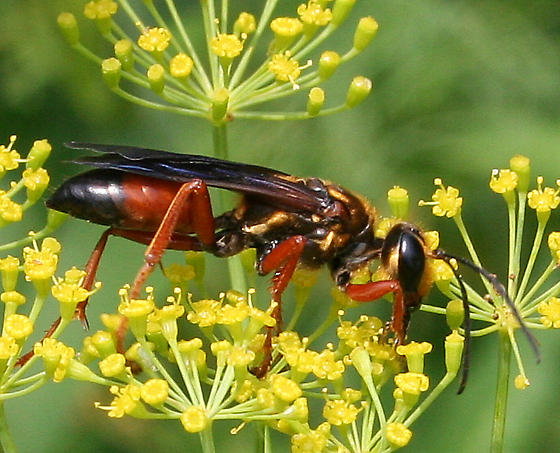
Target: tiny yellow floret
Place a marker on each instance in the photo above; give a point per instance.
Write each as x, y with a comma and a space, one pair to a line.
8, 347
9, 158
245, 24
285, 389
180, 67
226, 46
155, 391
340, 412
521, 382
313, 13
412, 383
154, 39
18, 326
544, 200
398, 434
550, 311
286, 26
445, 201
554, 245
503, 181
112, 365
194, 419
284, 67
100, 9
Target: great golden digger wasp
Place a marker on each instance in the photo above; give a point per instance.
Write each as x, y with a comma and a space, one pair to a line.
161, 199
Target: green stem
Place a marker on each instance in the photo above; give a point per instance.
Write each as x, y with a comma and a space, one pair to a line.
207, 440
6, 440
500, 406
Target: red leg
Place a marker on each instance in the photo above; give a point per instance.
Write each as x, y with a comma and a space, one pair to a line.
283, 260
194, 193
368, 292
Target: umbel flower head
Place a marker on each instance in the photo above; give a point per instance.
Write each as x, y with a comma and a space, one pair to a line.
222, 80
529, 295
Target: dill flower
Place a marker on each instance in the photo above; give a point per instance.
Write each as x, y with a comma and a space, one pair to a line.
189, 86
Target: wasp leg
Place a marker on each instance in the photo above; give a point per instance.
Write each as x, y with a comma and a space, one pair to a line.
368, 292
283, 260
194, 194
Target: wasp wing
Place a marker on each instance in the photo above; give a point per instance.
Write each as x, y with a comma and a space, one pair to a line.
269, 186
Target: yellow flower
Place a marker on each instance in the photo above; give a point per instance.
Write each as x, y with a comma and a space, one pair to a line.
57, 357
8, 347
112, 365
285, 389
286, 27
155, 391
313, 441
414, 353
550, 309
9, 158
543, 200
314, 14
226, 46
340, 412
412, 383
126, 402
40, 264
245, 23
10, 211
398, 434
180, 66
554, 245
100, 9
194, 419
503, 181
18, 326
154, 39
285, 68
445, 201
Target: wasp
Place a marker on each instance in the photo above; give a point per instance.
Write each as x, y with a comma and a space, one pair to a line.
161, 199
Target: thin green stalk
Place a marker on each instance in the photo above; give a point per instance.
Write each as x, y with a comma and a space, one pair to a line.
502, 390
6, 439
207, 440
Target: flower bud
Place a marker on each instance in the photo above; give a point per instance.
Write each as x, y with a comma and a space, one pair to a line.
365, 32
69, 28
111, 71
328, 64
156, 77
340, 11
522, 166
220, 102
358, 91
123, 51
455, 314
398, 202
315, 101
38, 154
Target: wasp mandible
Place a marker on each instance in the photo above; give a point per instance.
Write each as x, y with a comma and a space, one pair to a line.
161, 199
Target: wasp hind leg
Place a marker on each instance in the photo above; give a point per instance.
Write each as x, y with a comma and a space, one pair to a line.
283, 260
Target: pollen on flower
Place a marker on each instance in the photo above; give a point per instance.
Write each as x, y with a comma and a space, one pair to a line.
412, 383
326, 367
180, 67
554, 245
194, 419
340, 412
12, 297
112, 365
311, 441
155, 391
313, 13
126, 402
285, 68
100, 9
550, 311
154, 39
398, 434
239, 356
9, 157
503, 181
286, 27
10, 211
18, 326
69, 289
40, 264
8, 347
445, 201
245, 23
226, 46
135, 308
544, 200
205, 312
57, 357
285, 389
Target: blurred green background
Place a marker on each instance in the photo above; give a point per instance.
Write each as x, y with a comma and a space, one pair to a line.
459, 87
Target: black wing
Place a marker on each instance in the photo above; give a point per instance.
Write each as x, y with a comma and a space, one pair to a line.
270, 186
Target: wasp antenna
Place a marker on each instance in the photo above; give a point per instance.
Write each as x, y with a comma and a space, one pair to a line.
501, 290
466, 324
